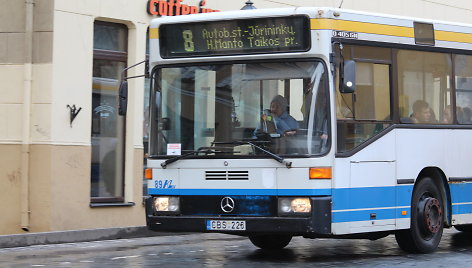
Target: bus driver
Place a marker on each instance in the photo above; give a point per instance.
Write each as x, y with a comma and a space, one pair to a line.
284, 124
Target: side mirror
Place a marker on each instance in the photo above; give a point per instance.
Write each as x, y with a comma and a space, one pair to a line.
123, 98
348, 77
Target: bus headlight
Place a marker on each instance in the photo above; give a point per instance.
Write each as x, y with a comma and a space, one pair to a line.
166, 204
294, 205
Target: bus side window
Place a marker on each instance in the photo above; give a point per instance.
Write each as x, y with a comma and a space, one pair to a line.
424, 81
371, 102
367, 111
463, 68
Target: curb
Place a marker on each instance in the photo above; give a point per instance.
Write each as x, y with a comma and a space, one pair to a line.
59, 237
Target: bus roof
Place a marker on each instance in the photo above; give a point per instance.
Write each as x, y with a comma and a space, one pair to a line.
313, 12
342, 24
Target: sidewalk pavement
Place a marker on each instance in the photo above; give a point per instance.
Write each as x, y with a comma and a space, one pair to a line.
29, 239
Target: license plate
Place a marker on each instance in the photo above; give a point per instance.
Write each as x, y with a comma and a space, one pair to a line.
219, 225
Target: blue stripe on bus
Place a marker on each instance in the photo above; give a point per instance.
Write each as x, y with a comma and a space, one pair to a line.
461, 192
365, 215
273, 192
346, 198
462, 209
372, 199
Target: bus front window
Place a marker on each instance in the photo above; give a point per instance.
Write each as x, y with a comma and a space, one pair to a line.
217, 109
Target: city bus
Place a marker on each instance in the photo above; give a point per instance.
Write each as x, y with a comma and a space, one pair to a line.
310, 122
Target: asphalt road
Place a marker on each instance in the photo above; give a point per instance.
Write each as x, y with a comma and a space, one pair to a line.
217, 250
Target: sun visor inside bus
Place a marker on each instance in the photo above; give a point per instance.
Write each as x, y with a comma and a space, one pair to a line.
276, 71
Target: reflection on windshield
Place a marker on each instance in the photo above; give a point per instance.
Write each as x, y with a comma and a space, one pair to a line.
281, 107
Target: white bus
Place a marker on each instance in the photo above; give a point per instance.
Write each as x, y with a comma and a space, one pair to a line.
312, 122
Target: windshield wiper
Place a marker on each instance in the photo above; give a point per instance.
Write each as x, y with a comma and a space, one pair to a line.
205, 150
276, 157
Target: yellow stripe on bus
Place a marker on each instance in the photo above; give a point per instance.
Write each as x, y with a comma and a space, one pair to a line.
382, 29
453, 37
153, 33
361, 27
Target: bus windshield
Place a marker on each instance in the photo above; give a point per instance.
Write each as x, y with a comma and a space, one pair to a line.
231, 110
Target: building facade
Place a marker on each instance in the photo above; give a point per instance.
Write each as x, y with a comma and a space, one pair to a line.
68, 160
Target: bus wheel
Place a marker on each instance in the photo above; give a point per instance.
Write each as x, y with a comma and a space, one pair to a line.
427, 219
467, 228
270, 241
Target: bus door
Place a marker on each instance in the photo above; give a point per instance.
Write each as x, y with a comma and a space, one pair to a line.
362, 117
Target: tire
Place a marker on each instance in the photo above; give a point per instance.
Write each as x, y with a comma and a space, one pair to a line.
270, 242
427, 220
467, 228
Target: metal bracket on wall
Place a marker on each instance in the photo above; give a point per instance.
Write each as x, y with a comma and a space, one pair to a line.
73, 112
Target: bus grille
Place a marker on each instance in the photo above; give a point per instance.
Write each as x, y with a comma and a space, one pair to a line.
244, 205
226, 175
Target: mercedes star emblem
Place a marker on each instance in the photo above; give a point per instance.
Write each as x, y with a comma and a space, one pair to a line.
227, 204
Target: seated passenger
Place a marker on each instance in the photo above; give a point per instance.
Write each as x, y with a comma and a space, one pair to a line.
447, 115
421, 113
467, 115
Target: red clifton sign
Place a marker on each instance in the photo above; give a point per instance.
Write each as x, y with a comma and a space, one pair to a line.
175, 8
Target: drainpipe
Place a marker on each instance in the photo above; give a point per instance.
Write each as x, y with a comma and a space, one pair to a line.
25, 145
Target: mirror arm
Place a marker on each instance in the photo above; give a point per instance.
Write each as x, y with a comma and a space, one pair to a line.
146, 74
136, 76
123, 90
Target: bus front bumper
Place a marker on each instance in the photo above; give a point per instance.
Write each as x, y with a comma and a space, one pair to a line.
318, 222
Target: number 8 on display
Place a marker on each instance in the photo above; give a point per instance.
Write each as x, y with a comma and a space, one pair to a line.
188, 40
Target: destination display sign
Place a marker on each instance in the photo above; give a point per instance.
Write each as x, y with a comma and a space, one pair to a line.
245, 36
